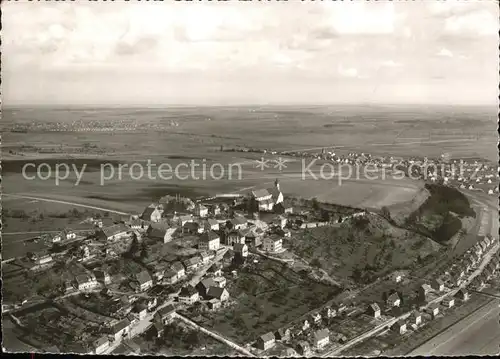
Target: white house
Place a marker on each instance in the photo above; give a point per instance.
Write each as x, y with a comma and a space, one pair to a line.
272, 244
209, 241
321, 338
85, 282
200, 210
152, 213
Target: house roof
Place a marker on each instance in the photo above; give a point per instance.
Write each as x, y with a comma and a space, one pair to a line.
143, 277
114, 229
82, 278
122, 324
204, 254
192, 261
238, 220
101, 341
274, 192
375, 307
215, 292
188, 291
177, 266
209, 236
148, 211
214, 267
416, 314
212, 221
207, 283
185, 217
171, 273
260, 193
274, 238
321, 334
393, 297
167, 310
267, 337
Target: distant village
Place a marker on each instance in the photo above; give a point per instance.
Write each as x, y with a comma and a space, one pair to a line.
475, 175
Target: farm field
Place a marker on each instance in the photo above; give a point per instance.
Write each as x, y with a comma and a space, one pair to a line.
265, 297
201, 132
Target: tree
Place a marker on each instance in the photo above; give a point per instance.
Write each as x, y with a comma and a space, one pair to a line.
385, 212
315, 203
325, 216
316, 263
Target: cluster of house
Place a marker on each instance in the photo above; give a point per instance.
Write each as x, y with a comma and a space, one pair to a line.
308, 334
456, 274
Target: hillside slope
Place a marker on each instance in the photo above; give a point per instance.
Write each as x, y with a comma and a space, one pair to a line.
363, 248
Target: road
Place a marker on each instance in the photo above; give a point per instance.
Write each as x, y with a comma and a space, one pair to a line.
478, 334
65, 202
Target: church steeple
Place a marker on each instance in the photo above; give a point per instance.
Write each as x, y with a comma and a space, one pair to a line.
277, 184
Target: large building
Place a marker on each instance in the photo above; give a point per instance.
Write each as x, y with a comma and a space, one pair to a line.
272, 243
265, 199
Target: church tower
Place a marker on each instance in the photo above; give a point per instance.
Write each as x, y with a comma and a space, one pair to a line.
277, 184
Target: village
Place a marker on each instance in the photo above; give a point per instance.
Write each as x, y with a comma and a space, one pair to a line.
191, 262
469, 174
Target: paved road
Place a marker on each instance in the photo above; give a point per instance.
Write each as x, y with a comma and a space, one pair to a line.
478, 334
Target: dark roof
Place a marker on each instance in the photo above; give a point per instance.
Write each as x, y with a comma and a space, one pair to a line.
207, 283
114, 229
171, 273
143, 277
192, 261
209, 236
82, 278
321, 334
191, 225
274, 192
260, 193
158, 229
167, 310
188, 291
148, 211
212, 221
215, 292
120, 325
393, 297
267, 337
177, 266
238, 220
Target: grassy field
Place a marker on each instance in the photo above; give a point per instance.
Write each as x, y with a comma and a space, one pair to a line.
266, 297
202, 131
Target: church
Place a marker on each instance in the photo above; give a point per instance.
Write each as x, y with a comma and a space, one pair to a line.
266, 199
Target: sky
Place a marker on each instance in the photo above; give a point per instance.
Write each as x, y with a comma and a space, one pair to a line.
213, 53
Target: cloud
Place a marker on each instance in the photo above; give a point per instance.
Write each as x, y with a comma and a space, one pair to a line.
444, 53
390, 63
482, 23
347, 71
356, 18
